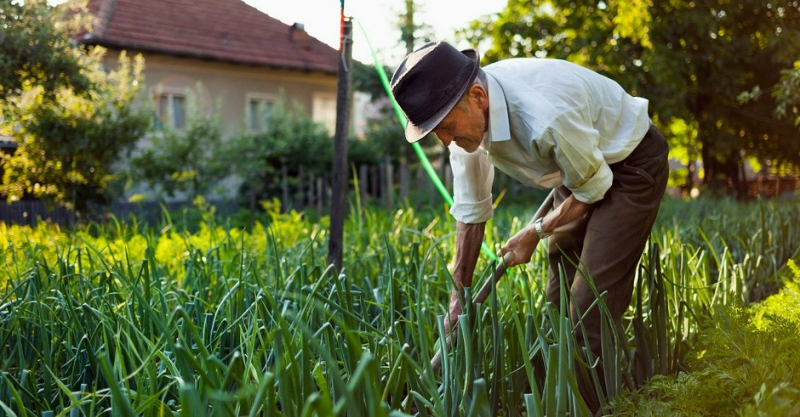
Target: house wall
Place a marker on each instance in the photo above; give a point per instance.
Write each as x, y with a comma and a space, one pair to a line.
227, 87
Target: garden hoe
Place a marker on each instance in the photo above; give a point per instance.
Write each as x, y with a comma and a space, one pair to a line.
487, 287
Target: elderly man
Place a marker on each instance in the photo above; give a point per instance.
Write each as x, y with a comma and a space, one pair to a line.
547, 123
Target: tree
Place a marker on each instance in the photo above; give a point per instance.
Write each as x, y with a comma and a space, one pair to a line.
410, 28
692, 59
37, 48
71, 119
410, 31
705, 54
68, 144
787, 93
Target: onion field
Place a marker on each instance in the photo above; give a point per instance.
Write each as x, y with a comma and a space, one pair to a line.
122, 318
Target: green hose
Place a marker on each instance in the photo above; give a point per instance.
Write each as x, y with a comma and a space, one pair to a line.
426, 164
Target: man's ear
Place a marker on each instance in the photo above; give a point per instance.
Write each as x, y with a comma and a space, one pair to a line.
480, 96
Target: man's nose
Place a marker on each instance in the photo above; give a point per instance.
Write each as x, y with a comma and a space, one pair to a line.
445, 138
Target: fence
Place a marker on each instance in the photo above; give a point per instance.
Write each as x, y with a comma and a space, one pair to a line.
387, 185
771, 186
30, 212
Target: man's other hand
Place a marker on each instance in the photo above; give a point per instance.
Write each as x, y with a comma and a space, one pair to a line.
455, 311
522, 244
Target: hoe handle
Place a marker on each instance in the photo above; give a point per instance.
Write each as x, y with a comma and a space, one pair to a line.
487, 287
480, 297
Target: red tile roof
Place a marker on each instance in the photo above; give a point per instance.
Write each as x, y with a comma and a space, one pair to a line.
222, 30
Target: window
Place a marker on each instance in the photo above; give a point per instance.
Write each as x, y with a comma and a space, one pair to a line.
324, 110
171, 111
259, 107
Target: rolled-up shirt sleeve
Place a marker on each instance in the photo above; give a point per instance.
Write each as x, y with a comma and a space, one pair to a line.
584, 170
472, 185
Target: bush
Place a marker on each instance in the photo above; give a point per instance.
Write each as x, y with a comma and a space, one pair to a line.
745, 362
292, 140
182, 161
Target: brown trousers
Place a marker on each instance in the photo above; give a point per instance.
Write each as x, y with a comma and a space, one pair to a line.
607, 243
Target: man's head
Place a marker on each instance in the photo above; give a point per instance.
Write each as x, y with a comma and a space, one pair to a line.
434, 84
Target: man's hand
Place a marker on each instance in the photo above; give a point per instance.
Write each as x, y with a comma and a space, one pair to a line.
468, 246
455, 310
522, 244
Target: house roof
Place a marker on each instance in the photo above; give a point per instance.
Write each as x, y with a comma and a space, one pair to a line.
221, 30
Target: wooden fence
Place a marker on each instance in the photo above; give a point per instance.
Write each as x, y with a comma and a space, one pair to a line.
30, 212
772, 186
386, 185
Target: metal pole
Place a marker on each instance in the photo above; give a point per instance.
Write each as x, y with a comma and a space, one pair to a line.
339, 184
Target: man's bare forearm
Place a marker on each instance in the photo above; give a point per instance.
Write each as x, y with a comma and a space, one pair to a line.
568, 211
523, 244
468, 247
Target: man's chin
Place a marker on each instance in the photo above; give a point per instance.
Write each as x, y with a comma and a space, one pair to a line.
470, 149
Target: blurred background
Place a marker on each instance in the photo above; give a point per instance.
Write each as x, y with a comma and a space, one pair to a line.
125, 107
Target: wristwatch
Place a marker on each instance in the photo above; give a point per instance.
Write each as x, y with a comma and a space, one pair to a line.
537, 226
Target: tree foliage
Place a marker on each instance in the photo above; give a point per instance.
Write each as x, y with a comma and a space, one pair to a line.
787, 93
70, 117
37, 48
706, 54
68, 145
367, 80
692, 59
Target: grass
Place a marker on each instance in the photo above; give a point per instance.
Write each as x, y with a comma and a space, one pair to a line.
745, 362
126, 319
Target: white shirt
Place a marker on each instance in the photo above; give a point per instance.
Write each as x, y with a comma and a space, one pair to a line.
551, 122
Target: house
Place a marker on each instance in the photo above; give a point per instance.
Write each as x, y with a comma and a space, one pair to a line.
218, 54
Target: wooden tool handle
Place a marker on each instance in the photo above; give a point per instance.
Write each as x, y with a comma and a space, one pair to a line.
487, 287
480, 297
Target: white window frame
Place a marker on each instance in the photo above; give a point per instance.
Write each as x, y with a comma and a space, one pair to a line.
250, 97
170, 118
320, 103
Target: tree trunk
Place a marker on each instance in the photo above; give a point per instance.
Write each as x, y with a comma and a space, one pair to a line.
691, 169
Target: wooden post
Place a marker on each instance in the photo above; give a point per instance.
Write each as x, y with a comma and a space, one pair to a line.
299, 192
362, 182
389, 183
448, 180
405, 178
338, 199
312, 199
382, 183
320, 194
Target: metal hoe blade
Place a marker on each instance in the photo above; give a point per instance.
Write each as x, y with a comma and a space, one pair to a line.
487, 287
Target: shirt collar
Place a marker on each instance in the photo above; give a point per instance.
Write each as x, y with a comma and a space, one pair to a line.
499, 129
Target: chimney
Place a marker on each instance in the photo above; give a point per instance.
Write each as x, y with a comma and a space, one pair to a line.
298, 34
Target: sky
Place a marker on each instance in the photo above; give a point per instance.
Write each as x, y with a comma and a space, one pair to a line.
379, 20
